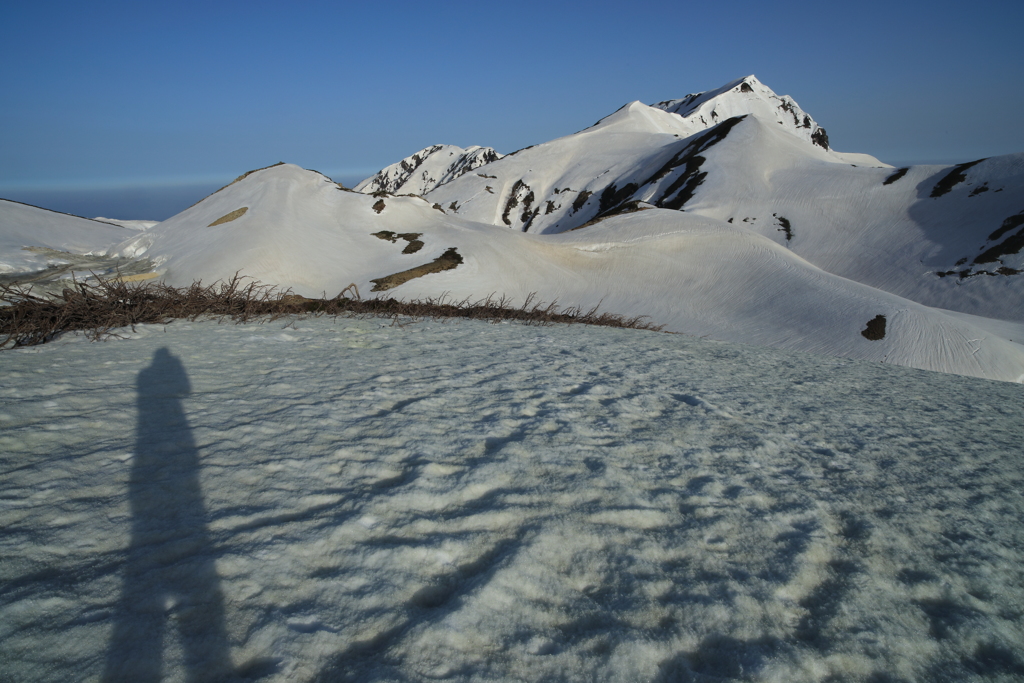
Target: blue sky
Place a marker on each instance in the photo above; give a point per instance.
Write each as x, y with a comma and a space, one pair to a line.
122, 98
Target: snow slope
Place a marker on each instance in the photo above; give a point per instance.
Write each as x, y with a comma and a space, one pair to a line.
426, 169
896, 230
748, 228
133, 224
696, 275
348, 500
44, 232
948, 237
560, 185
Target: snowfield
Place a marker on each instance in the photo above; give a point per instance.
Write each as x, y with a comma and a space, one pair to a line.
350, 500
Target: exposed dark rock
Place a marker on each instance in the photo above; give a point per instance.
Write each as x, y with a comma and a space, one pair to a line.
1011, 245
712, 137
786, 226
686, 184
952, 179
875, 329
745, 87
820, 138
379, 206
896, 175
528, 214
1008, 225
512, 202
580, 200
612, 197
978, 190
550, 207
413, 239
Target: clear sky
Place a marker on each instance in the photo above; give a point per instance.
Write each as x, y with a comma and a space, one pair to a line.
123, 98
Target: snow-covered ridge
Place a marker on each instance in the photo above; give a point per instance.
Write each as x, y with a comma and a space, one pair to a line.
746, 96
130, 224
427, 169
32, 238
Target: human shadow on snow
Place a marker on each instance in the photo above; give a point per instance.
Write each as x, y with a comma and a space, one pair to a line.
169, 578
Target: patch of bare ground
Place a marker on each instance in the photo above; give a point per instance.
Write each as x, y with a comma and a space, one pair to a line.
413, 239
98, 308
446, 261
228, 217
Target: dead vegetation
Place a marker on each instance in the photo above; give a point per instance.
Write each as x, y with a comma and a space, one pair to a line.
446, 261
228, 217
101, 307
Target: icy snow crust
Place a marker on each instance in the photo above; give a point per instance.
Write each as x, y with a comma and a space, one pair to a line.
470, 502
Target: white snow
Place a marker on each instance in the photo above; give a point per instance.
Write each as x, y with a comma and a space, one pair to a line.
427, 169
338, 499
22, 225
133, 224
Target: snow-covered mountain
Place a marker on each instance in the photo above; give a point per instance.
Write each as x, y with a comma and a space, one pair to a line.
746, 96
723, 214
427, 169
654, 154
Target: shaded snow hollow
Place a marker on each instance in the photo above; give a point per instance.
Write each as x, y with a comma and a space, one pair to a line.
341, 500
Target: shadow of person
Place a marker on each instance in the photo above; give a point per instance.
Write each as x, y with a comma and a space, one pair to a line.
170, 582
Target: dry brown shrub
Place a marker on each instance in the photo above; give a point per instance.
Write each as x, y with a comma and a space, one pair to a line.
100, 307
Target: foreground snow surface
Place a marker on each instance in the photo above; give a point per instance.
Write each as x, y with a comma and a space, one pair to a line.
345, 500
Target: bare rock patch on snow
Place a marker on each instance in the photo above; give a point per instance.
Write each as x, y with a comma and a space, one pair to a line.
447, 261
228, 217
875, 329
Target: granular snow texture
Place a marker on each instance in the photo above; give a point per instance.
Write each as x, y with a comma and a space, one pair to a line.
341, 500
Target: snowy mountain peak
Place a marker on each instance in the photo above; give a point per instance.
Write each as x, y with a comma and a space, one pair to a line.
746, 96
427, 169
